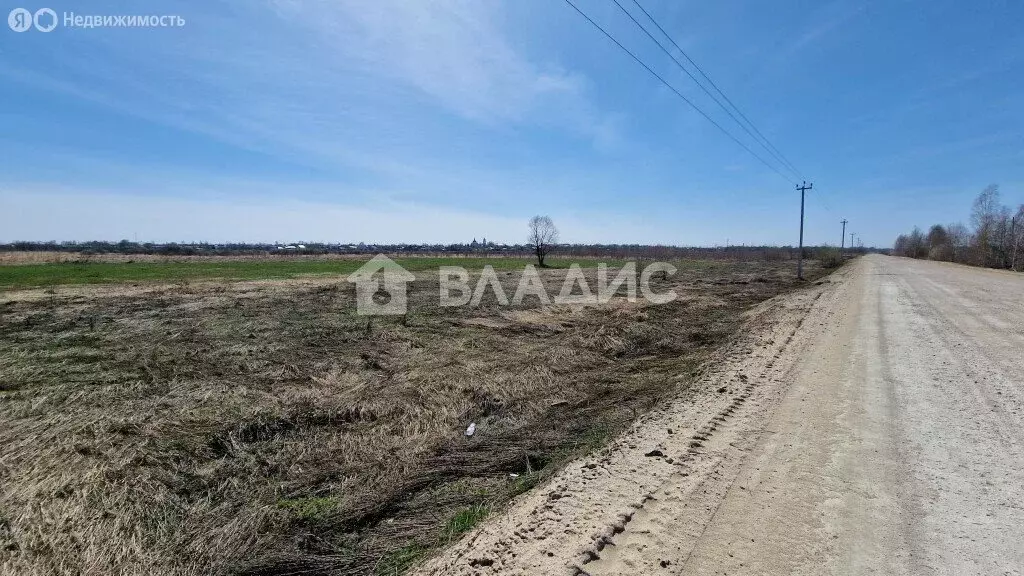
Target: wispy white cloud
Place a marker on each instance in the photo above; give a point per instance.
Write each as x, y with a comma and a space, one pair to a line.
372, 85
825, 19
954, 148
451, 50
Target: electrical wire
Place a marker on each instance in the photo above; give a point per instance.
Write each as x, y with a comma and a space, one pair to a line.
676, 91
766, 142
716, 100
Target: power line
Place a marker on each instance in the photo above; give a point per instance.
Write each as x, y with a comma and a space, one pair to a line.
679, 64
824, 204
767, 142
674, 90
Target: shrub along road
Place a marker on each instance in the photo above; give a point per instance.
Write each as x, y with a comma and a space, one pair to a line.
871, 424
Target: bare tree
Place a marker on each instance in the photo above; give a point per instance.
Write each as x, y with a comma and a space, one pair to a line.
996, 241
990, 219
543, 236
917, 246
1017, 237
986, 205
900, 247
959, 240
938, 243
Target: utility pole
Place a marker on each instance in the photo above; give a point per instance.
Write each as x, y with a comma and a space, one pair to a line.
800, 262
1016, 241
842, 241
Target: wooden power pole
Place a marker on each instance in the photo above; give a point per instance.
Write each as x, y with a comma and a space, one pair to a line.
800, 261
1013, 237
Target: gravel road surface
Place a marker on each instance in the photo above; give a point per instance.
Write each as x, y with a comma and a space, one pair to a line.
872, 423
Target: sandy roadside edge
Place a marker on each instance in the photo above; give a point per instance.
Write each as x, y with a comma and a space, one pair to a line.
664, 477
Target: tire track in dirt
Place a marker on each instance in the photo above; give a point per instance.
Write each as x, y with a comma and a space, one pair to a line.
640, 504
681, 505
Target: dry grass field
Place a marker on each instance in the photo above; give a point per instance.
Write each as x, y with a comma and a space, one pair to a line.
262, 427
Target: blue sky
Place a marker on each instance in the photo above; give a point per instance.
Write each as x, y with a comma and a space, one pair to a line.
401, 121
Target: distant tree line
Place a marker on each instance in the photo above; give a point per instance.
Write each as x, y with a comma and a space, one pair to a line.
613, 251
995, 239
243, 248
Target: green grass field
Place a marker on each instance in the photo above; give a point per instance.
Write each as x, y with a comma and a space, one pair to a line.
42, 275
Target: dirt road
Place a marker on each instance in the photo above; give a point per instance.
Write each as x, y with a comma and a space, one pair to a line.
871, 424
